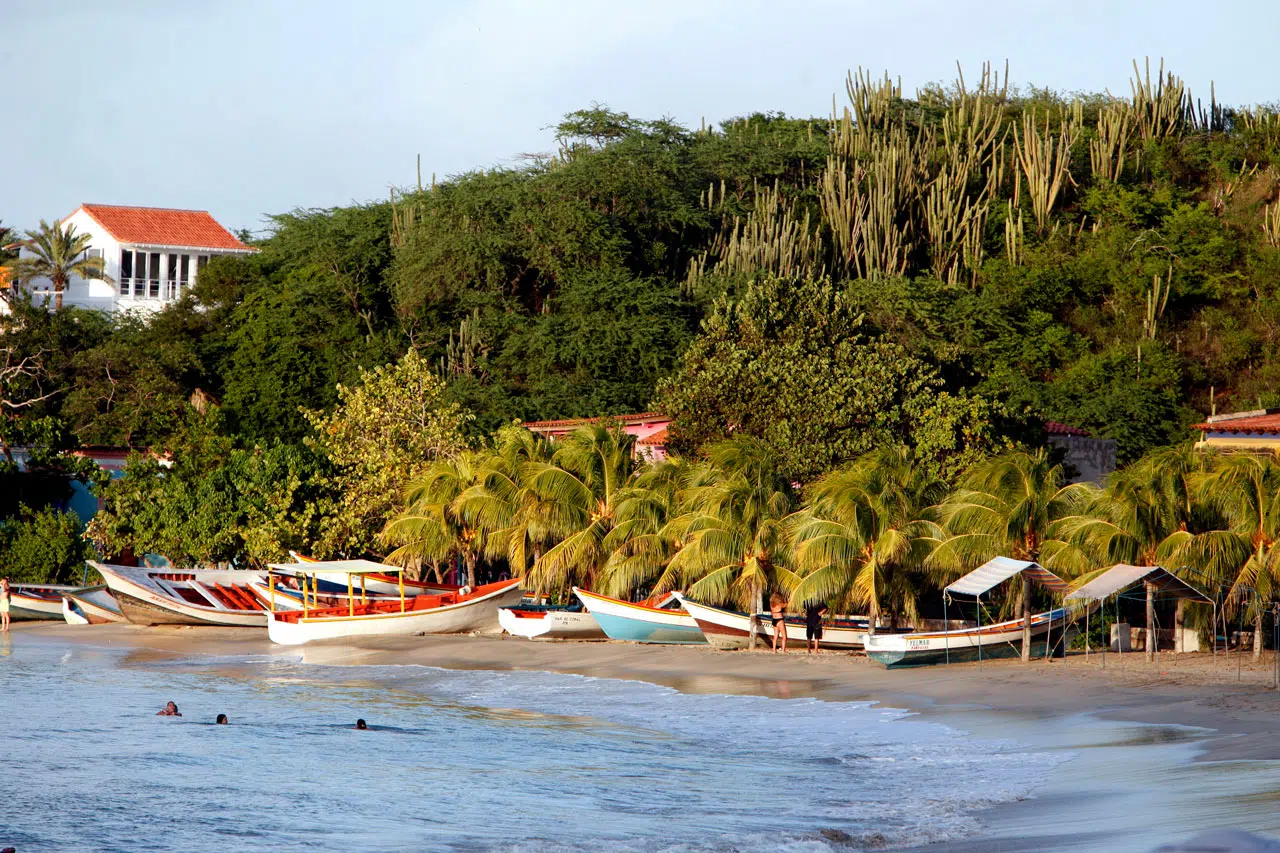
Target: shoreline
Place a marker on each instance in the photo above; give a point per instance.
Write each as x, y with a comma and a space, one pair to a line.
1240, 708
1213, 716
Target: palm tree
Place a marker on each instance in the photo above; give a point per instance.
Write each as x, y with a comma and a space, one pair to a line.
502, 504
59, 253
1245, 489
639, 546
863, 536
578, 493
1145, 516
431, 526
1008, 505
729, 535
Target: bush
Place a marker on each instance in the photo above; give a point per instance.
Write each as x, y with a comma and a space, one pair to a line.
43, 547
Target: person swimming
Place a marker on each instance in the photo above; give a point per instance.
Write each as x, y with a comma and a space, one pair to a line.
222, 720
361, 724
169, 710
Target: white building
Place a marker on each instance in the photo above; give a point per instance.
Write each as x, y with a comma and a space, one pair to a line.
152, 256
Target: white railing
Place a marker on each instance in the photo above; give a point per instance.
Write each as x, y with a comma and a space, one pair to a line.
151, 288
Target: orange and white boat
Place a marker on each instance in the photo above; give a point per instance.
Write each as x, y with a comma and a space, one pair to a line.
463, 611
170, 596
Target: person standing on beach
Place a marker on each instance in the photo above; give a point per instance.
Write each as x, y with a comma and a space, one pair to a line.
813, 613
778, 614
4, 604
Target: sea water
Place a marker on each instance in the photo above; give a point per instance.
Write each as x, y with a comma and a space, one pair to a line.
463, 761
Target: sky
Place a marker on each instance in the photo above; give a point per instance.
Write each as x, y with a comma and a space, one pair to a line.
247, 108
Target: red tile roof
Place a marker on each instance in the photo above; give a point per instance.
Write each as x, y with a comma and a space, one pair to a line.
659, 439
1055, 428
625, 419
1263, 421
157, 226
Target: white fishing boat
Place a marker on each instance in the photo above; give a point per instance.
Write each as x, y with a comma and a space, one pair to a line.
1001, 639
464, 611
91, 605
172, 596
654, 621
36, 601
730, 630
549, 623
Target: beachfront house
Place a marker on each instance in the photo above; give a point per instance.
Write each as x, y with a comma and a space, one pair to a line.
152, 256
649, 428
1256, 431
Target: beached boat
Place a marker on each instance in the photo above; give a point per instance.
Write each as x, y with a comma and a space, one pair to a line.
185, 596
277, 596
376, 577
446, 613
727, 629
36, 601
549, 623
655, 621
1000, 639
91, 605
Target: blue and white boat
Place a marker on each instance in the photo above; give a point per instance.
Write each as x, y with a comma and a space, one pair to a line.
652, 622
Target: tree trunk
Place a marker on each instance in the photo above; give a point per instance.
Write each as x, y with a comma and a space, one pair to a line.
757, 603
1257, 631
471, 571
57, 298
1026, 618
1179, 619
1151, 621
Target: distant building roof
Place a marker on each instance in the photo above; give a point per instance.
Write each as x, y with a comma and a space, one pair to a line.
1055, 428
642, 417
658, 439
157, 226
1264, 421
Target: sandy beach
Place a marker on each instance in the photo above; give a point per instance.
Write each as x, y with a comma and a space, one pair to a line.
1230, 696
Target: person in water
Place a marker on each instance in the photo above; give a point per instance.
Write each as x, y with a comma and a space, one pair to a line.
813, 614
222, 720
169, 710
778, 615
4, 604
361, 724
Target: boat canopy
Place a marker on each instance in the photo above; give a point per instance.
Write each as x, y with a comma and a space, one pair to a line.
340, 567
997, 570
1122, 576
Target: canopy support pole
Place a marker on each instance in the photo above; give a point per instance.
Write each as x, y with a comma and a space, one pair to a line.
978, 637
351, 597
946, 627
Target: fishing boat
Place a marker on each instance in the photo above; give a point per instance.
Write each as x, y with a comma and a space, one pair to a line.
33, 601
549, 623
463, 611
91, 605
171, 596
729, 630
1001, 639
277, 596
654, 621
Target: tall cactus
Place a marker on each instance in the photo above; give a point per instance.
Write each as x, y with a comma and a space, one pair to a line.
1163, 109
770, 239
1045, 159
1108, 148
463, 353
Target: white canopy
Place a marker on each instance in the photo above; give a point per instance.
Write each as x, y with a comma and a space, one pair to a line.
337, 567
997, 570
1122, 576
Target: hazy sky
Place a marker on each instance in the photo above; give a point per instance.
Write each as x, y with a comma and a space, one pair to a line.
248, 107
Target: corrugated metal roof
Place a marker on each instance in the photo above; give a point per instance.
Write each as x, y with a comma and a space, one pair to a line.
1122, 576
997, 570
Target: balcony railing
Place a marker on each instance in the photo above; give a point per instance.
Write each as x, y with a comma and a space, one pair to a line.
151, 288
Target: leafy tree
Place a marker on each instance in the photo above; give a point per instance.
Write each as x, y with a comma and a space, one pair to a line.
790, 363
385, 433
42, 546
863, 535
58, 253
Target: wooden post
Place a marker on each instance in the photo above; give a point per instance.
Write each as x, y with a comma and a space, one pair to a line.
1151, 621
1179, 619
1026, 618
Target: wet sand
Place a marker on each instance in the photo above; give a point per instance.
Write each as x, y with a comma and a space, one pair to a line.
1230, 696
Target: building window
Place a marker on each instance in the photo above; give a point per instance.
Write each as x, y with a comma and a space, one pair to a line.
154, 280
171, 286
126, 272
184, 276
139, 274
